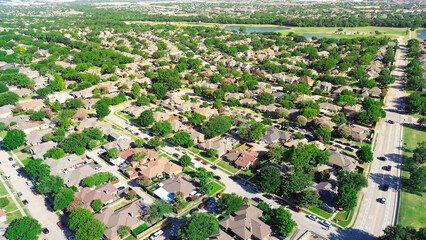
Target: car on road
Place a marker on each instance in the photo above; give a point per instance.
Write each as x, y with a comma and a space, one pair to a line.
211, 200
156, 235
29, 183
388, 168
325, 223
15, 165
7, 176
349, 149
382, 200
202, 205
25, 202
19, 194
193, 210
382, 158
256, 199
176, 155
385, 187
198, 159
60, 225
204, 163
390, 121
184, 152
296, 209
45, 230
10, 159
217, 177
267, 196
312, 217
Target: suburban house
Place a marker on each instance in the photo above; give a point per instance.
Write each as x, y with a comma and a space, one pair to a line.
60, 97
28, 127
155, 169
327, 192
9, 119
6, 110
245, 224
128, 154
65, 164
39, 150
90, 103
206, 112
222, 146
80, 115
161, 116
357, 133
196, 136
36, 138
34, 105
273, 135
243, 159
74, 177
341, 161
326, 107
221, 235
171, 187
126, 216
178, 125
307, 80
121, 144
105, 193
295, 142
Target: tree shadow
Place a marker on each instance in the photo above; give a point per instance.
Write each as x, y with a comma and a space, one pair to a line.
350, 233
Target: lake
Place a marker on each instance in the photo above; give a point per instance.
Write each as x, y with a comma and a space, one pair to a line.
310, 35
421, 34
256, 29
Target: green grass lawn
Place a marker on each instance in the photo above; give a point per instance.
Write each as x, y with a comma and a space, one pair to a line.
141, 228
130, 238
194, 150
227, 166
11, 206
12, 216
3, 134
410, 213
341, 216
320, 212
26, 161
210, 159
216, 188
3, 190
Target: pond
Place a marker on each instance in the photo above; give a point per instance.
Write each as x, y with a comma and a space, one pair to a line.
310, 35
256, 29
421, 34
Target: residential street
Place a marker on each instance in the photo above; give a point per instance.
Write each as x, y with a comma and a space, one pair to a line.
374, 216
37, 205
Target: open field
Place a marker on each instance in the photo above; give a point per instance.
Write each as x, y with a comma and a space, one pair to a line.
348, 32
410, 213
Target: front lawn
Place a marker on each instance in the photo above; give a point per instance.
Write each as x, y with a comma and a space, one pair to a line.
341, 217
140, 229
216, 188
409, 214
227, 166
12, 216
320, 212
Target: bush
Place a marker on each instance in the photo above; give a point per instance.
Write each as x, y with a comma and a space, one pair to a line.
4, 202
97, 179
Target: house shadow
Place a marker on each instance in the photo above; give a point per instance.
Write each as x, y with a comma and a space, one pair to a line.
385, 178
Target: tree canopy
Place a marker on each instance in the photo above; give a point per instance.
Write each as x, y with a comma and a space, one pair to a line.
199, 226
14, 138
25, 228
230, 202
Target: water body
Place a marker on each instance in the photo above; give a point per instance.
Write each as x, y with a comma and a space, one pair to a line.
421, 34
310, 35
257, 29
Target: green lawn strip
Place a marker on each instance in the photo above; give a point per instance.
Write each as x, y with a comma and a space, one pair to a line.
341, 216
227, 166
194, 150
12, 216
216, 188
320, 212
26, 161
140, 228
409, 214
130, 238
3, 190
11, 206
3, 134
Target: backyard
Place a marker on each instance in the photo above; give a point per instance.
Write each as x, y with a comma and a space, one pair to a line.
409, 214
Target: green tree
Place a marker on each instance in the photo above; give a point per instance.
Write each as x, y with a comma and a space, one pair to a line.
50, 184
143, 101
79, 217
74, 103
419, 154
43, 92
159, 90
252, 131
63, 198
38, 169
8, 98
346, 197
162, 128
136, 90
399, 232
219, 94
301, 121
344, 131
217, 125
183, 139
416, 103
212, 152
96, 205
57, 84
365, 154
123, 231
155, 143
345, 100
102, 110
372, 111
158, 210
295, 182
269, 179
230, 203
353, 179
138, 143
24, 228
185, 161
146, 118
113, 153
56, 106
309, 198
339, 118
37, 115
323, 135
85, 226
14, 138
196, 118
266, 98
199, 226
417, 181
3, 88
283, 222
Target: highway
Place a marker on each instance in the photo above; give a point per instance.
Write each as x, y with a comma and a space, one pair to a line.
375, 216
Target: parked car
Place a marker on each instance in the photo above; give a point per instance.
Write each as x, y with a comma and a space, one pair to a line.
10, 159
382, 158
382, 200
193, 210
356, 146
25, 202
204, 163
45, 230
312, 217
278, 236
29, 183
388, 168
7, 176
198, 159
325, 223
157, 234
176, 155
256, 199
296, 209
60, 225
349, 149
267, 196
211, 200
184, 152
15, 165
385, 187
390, 121
19, 194
202, 205
217, 177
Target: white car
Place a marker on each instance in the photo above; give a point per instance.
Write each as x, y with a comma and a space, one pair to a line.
325, 223
312, 217
7, 176
156, 235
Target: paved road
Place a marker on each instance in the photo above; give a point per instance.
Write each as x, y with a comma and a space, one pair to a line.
37, 205
374, 216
